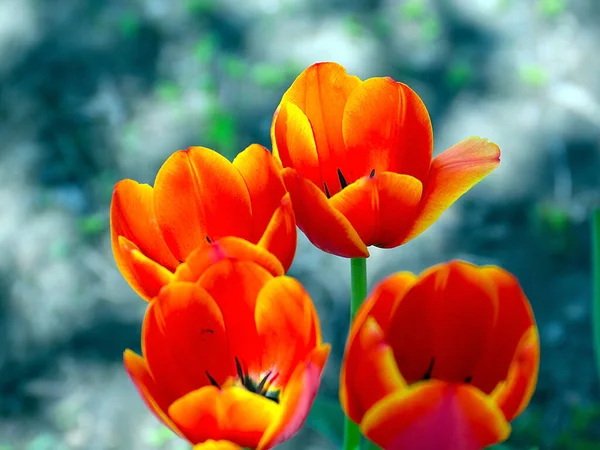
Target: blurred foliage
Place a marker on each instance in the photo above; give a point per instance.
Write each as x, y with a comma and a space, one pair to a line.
552, 8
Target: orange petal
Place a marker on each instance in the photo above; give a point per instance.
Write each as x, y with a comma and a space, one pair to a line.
287, 326
435, 415
184, 340
260, 172
380, 208
144, 275
386, 127
463, 311
235, 286
452, 173
514, 318
280, 236
217, 445
369, 371
154, 399
232, 248
200, 196
294, 143
513, 395
321, 92
296, 399
232, 414
324, 226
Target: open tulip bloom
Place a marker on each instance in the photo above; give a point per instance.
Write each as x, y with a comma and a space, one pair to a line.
357, 158
443, 361
232, 350
198, 198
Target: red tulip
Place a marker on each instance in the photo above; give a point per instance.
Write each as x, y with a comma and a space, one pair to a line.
198, 198
443, 361
357, 158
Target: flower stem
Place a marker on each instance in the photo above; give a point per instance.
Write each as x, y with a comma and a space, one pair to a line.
596, 284
358, 280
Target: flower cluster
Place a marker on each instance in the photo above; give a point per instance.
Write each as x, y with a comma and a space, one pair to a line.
232, 353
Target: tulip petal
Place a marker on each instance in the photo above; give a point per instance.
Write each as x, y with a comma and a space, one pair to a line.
146, 276
184, 339
287, 326
514, 318
200, 196
369, 371
260, 172
294, 143
296, 399
436, 416
232, 414
386, 127
154, 399
380, 208
217, 445
132, 217
469, 298
324, 226
232, 248
321, 92
280, 236
514, 394
452, 173
235, 286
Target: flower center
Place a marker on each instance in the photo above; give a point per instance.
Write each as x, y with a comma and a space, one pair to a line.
263, 386
343, 182
427, 375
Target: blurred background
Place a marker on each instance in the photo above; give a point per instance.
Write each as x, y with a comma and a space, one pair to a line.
95, 91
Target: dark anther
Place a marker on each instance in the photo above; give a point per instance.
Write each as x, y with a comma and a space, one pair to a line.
208, 240
468, 379
427, 375
372, 174
212, 380
327, 191
261, 385
343, 181
181, 261
240, 371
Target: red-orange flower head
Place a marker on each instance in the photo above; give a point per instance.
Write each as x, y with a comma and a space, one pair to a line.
232, 350
357, 158
198, 198
442, 361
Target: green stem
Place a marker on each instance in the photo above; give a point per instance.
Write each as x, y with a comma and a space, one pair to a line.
358, 280
596, 284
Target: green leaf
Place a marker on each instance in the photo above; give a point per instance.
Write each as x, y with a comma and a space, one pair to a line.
327, 418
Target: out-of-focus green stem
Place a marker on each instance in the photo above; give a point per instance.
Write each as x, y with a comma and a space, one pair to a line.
596, 284
358, 277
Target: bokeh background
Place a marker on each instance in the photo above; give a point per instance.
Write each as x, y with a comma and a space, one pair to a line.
95, 91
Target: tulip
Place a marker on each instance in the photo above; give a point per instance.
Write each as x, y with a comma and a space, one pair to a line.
357, 158
198, 198
231, 350
443, 361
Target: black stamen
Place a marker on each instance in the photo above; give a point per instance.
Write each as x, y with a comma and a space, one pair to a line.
427, 375
372, 174
343, 181
260, 389
327, 191
208, 240
468, 379
181, 261
240, 372
212, 380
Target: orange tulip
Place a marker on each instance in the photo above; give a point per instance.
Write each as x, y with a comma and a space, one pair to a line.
357, 158
198, 198
232, 351
443, 361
